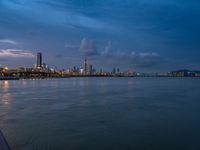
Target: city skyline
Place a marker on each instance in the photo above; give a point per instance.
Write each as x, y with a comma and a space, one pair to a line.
149, 36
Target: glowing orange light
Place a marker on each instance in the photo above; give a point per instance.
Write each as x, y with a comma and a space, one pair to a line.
5, 95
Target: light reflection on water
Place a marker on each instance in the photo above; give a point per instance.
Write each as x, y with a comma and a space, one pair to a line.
5, 95
101, 113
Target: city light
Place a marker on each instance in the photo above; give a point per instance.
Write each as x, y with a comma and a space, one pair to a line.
42, 70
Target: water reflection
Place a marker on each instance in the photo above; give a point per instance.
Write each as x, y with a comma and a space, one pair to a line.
130, 83
5, 95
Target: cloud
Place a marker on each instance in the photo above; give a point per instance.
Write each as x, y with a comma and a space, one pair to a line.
145, 59
145, 54
15, 53
169, 28
124, 58
88, 47
138, 60
131, 58
108, 49
8, 41
70, 46
68, 17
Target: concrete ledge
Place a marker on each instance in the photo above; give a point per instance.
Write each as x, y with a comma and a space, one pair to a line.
3, 143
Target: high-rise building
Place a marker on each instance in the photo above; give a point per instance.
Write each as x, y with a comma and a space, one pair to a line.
114, 71
101, 71
39, 60
85, 66
91, 69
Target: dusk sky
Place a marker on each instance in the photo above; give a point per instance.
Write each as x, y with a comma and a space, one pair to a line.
143, 35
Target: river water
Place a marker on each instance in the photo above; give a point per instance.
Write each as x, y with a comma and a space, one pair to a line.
101, 114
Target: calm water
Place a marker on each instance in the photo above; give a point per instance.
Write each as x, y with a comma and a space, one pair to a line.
101, 114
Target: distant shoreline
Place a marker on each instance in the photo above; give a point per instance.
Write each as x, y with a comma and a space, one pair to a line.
41, 78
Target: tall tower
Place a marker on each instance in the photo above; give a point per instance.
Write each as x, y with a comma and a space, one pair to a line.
39, 60
85, 66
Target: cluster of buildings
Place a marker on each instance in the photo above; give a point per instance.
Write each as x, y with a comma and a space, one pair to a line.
180, 73
41, 70
89, 70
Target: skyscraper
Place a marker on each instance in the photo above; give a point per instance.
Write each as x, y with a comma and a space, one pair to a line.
91, 69
39, 60
85, 66
114, 71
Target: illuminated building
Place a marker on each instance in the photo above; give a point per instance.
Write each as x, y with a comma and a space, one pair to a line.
85, 66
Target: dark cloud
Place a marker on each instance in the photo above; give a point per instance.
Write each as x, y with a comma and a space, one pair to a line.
168, 28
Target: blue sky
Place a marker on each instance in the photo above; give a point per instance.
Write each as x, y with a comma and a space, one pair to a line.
143, 35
